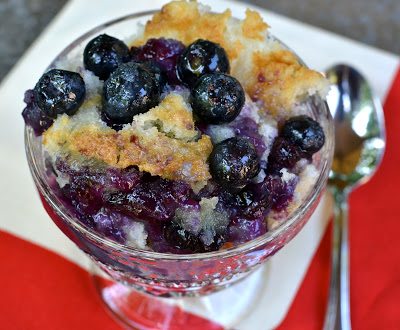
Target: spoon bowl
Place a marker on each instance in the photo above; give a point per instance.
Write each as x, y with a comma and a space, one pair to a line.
359, 127
359, 147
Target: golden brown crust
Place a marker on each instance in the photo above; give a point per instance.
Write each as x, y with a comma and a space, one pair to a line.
280, 81
184, 21
169, 158
172, 154
172, 117
253, 26
268, 72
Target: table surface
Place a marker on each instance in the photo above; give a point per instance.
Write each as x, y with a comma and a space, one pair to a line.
372, 22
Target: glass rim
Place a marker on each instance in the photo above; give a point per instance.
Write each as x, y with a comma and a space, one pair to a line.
270, 235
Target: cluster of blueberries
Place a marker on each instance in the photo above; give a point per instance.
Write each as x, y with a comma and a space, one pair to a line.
134, 80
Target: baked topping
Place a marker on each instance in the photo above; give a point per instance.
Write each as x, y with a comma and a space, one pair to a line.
161, 142
164, 52
267, 71
278, 80
189, 21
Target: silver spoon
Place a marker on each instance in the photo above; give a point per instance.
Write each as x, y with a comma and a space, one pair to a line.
359, 146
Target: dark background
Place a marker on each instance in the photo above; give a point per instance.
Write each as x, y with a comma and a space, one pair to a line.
375, 22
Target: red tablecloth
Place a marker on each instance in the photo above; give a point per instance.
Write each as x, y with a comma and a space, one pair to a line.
41, 290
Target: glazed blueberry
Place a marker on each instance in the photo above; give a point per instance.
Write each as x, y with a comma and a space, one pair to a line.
33, 116
164, 52
252, 202
256, 200
217, 98
60, 91
184, 240
304, 132
201, 57
103, 54
131, 89
234, 162
159, 74
284, 154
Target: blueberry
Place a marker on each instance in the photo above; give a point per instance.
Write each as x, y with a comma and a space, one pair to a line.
201, 57
159, 74
252, 202
304, 132
256, 200
284, 154
217, 98
60, 91
131, 89
34, 116
184, 240
245, 198
103, 54
164, 52
234, 162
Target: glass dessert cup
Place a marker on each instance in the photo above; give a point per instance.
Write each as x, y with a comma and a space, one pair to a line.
133, 271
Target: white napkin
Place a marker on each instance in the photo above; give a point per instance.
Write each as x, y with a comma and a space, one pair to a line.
268, 293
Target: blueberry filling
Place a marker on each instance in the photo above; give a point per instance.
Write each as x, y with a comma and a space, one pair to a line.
163, 52
283, 155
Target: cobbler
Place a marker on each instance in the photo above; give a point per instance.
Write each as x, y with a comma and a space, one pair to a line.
190, 137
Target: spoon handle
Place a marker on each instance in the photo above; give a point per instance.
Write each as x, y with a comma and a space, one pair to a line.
338, 312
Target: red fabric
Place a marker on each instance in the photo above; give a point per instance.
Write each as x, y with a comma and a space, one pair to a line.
41, 290
374, 247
